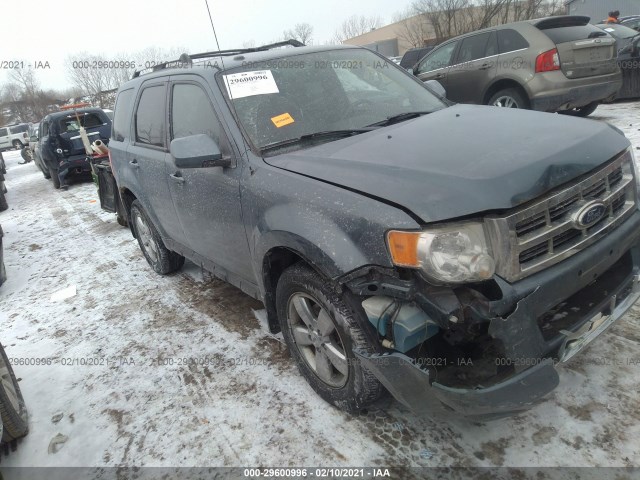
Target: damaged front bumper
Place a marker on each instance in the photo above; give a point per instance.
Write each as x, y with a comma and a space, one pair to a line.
539, 322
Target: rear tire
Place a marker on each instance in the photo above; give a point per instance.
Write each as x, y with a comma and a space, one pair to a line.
12, 407
161, 259
582, 111
509, 98
54, 176
321, 333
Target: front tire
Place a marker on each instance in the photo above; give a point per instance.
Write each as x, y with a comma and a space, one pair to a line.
161, 259
321, 333
12, 407
509, 98
17, 144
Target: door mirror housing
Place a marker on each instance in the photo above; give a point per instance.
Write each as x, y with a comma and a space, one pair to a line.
33, 138
197, 151
436, 87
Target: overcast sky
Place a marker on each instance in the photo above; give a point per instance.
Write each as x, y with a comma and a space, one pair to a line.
49, 30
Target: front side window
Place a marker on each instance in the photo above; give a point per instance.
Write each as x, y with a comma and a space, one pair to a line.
192, 113
150, 116
440, 58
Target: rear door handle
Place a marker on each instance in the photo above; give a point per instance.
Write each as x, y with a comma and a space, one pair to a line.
176, 177
486, 66
134, 163
440, 75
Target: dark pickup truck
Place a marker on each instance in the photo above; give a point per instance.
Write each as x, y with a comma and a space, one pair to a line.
452, 255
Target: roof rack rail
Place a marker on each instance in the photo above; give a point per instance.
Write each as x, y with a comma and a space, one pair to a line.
185, 58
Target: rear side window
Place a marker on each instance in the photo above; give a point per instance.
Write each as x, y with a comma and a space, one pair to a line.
45, 129
510, 40
571, 34
150, 116
473, 48
120, 127
192, 113
20, 128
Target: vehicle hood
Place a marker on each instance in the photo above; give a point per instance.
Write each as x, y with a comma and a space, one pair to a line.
461, 160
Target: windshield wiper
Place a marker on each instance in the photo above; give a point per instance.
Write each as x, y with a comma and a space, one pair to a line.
401, 117
315, 136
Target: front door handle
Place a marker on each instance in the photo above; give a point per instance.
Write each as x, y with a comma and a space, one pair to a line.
176, 177
486, 66
440, 75
134, 163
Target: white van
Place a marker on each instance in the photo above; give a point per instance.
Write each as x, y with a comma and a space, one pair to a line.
14, 136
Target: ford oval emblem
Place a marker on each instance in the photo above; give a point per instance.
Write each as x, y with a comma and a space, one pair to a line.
589, 214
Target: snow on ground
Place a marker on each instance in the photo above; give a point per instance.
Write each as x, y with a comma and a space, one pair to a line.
178, 371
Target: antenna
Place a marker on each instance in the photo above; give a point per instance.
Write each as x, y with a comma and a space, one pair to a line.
233, 107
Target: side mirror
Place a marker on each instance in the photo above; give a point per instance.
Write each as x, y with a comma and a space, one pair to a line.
436, 87
33, 138
635, 48
197, 151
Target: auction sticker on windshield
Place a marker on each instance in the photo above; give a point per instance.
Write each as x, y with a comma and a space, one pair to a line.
246, 84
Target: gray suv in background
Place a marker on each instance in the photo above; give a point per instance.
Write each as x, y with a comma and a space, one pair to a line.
556, 64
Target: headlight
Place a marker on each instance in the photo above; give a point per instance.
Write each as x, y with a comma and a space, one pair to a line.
449, 254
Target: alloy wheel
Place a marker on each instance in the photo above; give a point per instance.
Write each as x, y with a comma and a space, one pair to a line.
317, 339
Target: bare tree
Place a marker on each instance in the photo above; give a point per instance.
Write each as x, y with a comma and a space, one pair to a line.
414, 29
355, 26
303, 32
98, 73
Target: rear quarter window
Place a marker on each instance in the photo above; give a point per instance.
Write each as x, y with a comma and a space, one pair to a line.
121, 116
509, 40
3, 132
571, 34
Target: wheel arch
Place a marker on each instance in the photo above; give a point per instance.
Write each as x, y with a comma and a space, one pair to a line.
282, 249
503, 84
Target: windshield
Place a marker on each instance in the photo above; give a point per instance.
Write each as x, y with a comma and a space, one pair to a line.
338, 90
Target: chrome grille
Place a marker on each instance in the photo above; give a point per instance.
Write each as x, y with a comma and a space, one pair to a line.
535, 237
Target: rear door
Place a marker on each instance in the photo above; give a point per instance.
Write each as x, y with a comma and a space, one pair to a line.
473, 69
207, 199
147, 155
584, 49
436, 65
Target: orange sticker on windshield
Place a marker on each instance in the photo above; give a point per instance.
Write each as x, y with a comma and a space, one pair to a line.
282, 120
